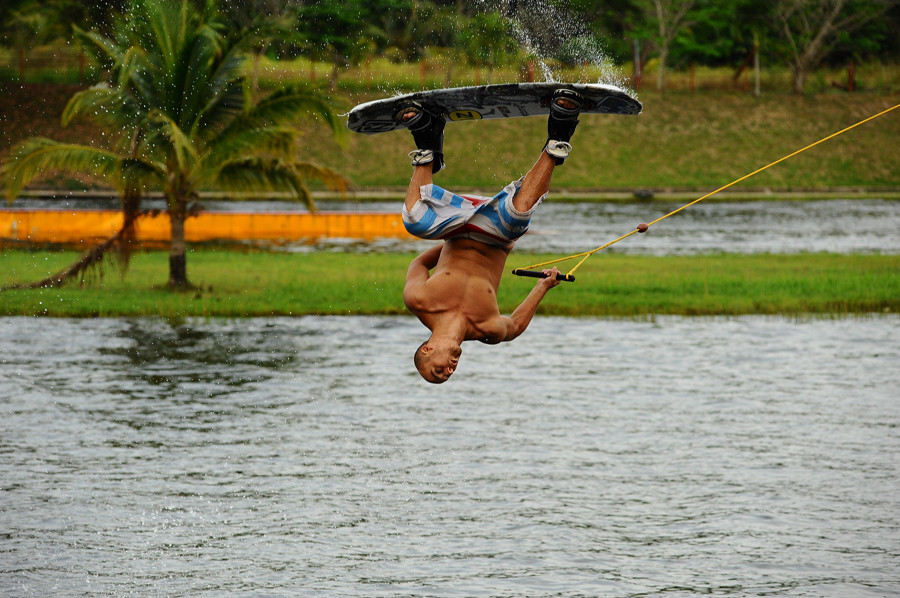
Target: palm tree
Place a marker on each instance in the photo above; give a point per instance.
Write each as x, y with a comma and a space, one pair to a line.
184, 119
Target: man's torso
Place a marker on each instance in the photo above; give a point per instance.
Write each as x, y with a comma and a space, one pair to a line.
464, 283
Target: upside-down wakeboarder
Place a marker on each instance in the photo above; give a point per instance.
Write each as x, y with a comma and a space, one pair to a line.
452, 287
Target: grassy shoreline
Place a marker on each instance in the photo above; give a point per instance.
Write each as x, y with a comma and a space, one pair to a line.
237, 284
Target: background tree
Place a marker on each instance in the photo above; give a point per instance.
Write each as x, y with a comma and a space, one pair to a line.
810, 29
611, 21
665, 19
334, 31
394, 28
60, 15
722, 33
264, 21
488, 39
30, 27
184, 117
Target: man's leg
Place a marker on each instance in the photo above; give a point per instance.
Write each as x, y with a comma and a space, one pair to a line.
422, 175
561, 125
536, 183
428, 132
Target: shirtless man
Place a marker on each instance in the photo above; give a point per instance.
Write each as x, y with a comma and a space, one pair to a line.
452, 287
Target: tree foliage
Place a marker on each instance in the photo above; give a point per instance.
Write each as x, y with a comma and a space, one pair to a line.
677, 32
182, 117
811, 29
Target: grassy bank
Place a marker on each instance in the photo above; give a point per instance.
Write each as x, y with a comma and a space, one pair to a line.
692, 141
680, 141
241, 284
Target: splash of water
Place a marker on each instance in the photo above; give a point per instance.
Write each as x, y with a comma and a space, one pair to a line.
552, 34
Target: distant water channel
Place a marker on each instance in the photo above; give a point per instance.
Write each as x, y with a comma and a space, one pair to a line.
837, 226
747, 456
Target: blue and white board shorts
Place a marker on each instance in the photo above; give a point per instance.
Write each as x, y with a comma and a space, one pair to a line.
440, 214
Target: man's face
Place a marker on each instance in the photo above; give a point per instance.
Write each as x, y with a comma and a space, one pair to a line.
440, 362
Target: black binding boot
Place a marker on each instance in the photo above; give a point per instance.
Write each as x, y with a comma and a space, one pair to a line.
427, 128
565, 107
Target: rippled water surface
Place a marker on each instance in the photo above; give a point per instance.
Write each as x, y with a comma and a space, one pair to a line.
304, 457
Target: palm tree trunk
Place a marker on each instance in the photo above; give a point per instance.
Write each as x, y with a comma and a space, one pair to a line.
177, 257
131, 208
661, 74
92, 258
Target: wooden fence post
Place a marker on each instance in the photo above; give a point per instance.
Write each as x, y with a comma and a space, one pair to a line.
755, 65
638, 67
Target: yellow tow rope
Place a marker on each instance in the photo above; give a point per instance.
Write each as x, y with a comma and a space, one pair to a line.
643, 227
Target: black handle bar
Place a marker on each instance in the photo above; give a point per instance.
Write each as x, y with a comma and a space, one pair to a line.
539, 274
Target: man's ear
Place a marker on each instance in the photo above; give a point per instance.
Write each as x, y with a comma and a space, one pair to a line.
426, 349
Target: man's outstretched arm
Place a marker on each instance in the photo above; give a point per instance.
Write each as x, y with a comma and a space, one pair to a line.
521, 317
418, 272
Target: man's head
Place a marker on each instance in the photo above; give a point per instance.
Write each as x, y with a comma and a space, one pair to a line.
437, 358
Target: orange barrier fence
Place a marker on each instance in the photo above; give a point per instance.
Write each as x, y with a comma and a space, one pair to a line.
87, 226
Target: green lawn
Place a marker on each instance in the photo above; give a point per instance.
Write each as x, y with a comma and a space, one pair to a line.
233, 283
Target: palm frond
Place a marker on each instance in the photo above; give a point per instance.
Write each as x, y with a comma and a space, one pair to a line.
276, 142
223, 107
228, 66
159, 31
37, 156
136, 173
109, 107
178, 144
222, 93
133, 64
254, 175
274, 171
102, 49
226, 94
192, 78
332, 179
129, 66
144, 84
287, 105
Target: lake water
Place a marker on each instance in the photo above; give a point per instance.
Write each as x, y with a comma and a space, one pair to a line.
837, 226
749, 456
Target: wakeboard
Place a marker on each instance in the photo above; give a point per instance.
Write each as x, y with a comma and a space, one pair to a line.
506, 100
